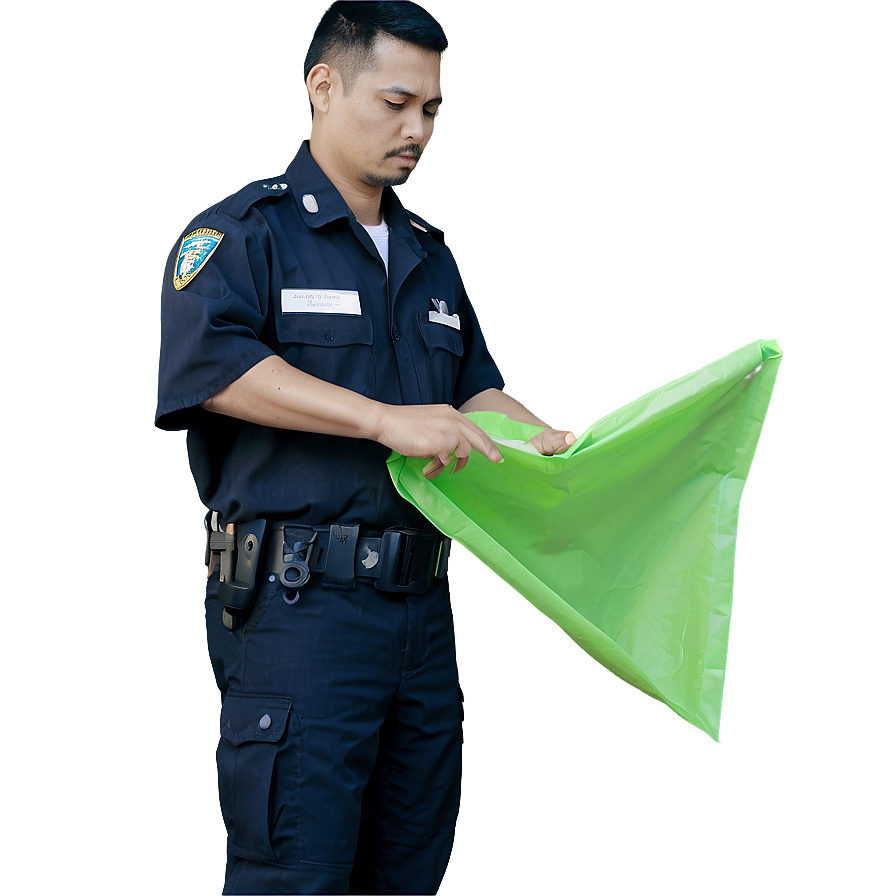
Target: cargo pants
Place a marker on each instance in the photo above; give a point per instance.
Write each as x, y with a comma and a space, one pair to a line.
339, 761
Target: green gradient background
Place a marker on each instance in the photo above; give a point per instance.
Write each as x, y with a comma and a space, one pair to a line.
631, 189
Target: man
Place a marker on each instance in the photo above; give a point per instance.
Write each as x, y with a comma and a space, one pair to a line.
310, 325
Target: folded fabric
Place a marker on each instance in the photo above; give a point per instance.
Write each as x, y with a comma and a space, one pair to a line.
627, 540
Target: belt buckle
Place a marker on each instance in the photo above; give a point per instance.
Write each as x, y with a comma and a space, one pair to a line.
407, 561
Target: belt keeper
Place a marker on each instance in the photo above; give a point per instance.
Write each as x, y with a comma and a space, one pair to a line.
339, 570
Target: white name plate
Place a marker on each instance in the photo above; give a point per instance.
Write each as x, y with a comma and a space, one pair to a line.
320, 301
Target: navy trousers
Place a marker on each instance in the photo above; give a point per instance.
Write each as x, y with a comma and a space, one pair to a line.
340, 755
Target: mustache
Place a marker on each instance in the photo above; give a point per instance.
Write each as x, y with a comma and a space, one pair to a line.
412, 149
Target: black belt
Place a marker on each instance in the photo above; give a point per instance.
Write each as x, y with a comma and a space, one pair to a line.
406, 561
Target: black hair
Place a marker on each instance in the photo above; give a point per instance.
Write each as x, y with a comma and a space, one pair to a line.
347, 33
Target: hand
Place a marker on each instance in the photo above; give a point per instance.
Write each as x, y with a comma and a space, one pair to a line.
552, 441
437, 431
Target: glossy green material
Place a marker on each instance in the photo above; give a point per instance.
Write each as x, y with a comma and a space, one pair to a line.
627, 540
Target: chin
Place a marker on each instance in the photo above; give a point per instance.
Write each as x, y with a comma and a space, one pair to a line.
388, 180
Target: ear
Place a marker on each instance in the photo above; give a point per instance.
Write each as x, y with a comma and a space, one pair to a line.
320, 83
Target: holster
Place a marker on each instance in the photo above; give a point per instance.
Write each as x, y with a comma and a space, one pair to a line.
238, 548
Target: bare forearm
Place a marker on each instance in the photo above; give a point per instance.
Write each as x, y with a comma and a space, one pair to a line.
274, 393
502, 403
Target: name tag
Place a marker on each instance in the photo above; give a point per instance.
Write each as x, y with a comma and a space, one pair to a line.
320, 301
449, 320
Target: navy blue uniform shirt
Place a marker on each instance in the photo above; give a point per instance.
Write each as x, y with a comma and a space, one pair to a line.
276, 246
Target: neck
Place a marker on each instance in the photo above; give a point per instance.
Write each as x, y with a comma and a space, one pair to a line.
364, 200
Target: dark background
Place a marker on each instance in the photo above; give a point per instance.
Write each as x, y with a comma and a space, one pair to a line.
632, 191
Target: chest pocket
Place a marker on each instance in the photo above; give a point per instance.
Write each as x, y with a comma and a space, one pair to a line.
445, 348
337, 348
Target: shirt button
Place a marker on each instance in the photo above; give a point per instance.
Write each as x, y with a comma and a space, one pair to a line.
310, 203
264, 722
395, 334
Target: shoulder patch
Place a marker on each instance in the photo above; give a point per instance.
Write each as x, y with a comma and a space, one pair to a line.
196, 249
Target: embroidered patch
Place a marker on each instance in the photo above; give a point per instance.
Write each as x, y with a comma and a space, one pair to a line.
196, 249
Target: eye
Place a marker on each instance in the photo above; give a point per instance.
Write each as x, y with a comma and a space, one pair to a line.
428, 114
395, 106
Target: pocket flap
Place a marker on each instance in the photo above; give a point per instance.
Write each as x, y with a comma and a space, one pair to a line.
437, 335
254, 717
324, 329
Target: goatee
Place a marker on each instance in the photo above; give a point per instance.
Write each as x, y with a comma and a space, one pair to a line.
384, 180
393, 180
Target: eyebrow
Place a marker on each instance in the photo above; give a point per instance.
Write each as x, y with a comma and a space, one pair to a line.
403, 91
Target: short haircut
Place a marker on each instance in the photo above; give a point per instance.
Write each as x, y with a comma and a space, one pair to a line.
347, 33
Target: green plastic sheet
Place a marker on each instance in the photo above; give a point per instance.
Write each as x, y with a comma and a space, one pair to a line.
627, 540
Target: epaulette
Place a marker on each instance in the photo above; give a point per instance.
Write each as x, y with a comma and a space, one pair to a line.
419, 224
240, 202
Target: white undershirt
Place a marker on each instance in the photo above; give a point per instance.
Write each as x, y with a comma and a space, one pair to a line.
379, 233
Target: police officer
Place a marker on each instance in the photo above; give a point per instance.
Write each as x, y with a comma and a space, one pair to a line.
310, 325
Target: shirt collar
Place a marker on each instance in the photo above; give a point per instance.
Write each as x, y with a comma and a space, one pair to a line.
396, 217
318, 200
312, 189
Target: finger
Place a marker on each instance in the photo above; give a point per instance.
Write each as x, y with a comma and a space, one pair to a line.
570, 439
463, 449
546, 443
433, 468
440, 462
479, 440
559, 442
462, 452
552, 441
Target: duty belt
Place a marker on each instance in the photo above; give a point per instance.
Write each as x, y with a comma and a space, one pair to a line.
400, 560
405, 561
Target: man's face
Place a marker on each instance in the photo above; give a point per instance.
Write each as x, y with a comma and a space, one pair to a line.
384, 123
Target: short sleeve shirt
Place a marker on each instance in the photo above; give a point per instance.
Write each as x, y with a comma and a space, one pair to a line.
282, 267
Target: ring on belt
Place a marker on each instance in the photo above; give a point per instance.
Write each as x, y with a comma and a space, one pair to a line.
401, 560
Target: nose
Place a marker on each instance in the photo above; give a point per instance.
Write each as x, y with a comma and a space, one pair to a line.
413, 127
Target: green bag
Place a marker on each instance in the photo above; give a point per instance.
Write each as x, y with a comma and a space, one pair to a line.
627, 540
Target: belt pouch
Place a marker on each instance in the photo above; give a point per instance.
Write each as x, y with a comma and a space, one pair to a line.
339, 571
237, 588
407, 560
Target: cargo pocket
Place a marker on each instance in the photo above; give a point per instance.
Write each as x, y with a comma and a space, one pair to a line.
252, 728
